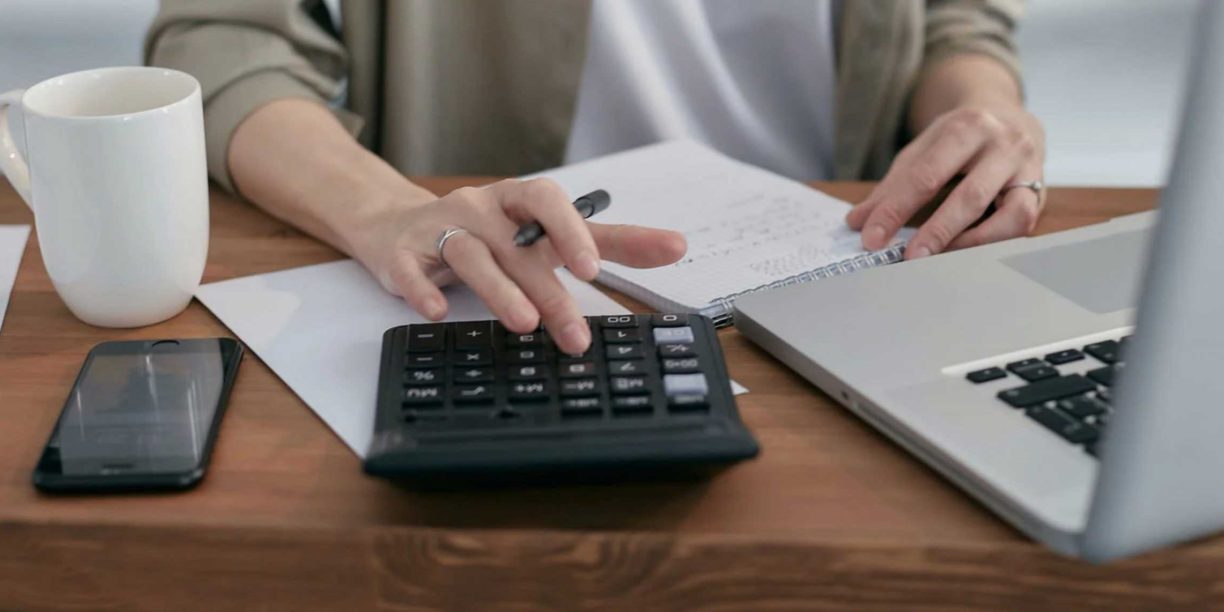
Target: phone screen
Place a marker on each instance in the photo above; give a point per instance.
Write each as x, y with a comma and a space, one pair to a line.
141, 408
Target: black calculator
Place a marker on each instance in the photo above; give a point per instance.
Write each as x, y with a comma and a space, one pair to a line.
473, 398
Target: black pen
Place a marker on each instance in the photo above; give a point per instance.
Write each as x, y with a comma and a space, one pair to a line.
587, 205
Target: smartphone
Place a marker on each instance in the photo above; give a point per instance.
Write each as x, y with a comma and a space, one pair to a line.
141, 415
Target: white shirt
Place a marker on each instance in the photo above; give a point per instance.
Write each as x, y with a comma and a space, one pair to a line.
754, 79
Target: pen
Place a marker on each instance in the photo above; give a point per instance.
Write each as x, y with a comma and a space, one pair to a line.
587, 205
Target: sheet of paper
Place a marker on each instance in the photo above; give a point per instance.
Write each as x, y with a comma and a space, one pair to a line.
320, 329
13, 240
745, 226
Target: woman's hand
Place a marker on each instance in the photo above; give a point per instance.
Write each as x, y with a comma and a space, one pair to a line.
518, 283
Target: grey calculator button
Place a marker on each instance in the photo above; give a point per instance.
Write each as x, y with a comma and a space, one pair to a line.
673, 335
685, 384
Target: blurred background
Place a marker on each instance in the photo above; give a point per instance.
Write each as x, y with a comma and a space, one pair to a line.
1105, 76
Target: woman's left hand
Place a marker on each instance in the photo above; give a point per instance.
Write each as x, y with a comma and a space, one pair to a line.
991, 149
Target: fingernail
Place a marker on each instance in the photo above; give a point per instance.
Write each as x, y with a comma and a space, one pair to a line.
576, 335
587, 266
919, 252
873, 237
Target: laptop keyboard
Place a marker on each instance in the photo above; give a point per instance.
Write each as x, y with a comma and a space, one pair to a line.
1075, 406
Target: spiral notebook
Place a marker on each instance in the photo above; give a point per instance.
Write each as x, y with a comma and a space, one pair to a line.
748, 229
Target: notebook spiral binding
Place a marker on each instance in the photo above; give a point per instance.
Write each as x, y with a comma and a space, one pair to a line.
721, 310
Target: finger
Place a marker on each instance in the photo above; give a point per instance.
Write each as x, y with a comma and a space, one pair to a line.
918, 174
1017, 216
638, 247
965, 205
474, 264
544, 201
410, 282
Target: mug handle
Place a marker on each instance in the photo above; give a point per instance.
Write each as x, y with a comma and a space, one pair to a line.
11, 162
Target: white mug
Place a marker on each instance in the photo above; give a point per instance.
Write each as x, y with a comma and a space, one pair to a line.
115, 174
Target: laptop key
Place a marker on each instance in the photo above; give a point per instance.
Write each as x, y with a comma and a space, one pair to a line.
1071, 430
1024, 363
978, 377
1106, 351
1037, 372
1082, 407
1046, 390
1104, 375
1061, 357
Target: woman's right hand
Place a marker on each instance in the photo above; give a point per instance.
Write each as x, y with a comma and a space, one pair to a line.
519, 284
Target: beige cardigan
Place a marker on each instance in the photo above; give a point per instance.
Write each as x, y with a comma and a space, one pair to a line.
453, 87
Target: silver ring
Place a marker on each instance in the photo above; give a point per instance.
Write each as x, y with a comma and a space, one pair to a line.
443, 237
1037, 187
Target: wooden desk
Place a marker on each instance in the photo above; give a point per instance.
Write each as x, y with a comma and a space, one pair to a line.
830, 515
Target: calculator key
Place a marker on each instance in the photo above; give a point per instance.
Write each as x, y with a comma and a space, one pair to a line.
669, 320
673, 335
423, 376
676, 350
530, 390
684, 365
473, 375
632, 404
424, 360
1061, 357
579, 387
685, 384
978, 377
626, 367
1106, 351
618, 321
423, 396
620, 336
527, 356
528, 372
687, 402
577, 369
581, 407
472, 394
474, 334
473, 357
584, 356
628, 385
427, 338
623, 351
532, 339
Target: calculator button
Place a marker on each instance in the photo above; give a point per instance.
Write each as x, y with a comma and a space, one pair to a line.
581, 406
614, 321
422, 396
530, 390
685, 384
527, 356
584, 356
627, 385
532, 339
621, 336
673, 335
683, 365
424, 360
632, 404
423, 376
472, 394
426, 338
676, 350
473, 375
579, 387
577, 369
473, 335
669, 320
528, 372
476, 357
623, 351
626, 367
687, 402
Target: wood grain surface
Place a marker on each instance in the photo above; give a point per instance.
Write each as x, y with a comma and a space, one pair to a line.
830, 516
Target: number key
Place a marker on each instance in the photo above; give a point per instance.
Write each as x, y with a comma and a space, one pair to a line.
612, 321
528, 372
577, 369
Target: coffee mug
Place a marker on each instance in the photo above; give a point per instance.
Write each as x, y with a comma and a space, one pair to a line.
115, 174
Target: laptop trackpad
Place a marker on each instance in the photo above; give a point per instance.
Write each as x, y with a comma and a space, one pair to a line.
1101, 275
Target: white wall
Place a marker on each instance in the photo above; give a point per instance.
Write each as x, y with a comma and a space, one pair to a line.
1104, 75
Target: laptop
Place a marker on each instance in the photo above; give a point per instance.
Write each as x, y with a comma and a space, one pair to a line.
1072, 382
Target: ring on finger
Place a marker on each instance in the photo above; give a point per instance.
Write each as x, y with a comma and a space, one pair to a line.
446, 234
1037, 187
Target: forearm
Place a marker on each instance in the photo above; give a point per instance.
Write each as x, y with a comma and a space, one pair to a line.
967, 80
295, 160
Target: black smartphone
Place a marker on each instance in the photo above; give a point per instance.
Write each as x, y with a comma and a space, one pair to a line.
142, 415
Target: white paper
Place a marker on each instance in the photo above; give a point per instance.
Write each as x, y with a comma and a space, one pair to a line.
320, 329
738, 389
13, 240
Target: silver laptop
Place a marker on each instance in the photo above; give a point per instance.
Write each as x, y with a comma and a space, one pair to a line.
1073, 382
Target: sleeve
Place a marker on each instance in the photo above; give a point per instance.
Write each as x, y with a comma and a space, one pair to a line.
246, 54
984, 27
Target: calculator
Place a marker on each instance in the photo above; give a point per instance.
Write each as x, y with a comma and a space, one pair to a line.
475, 399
